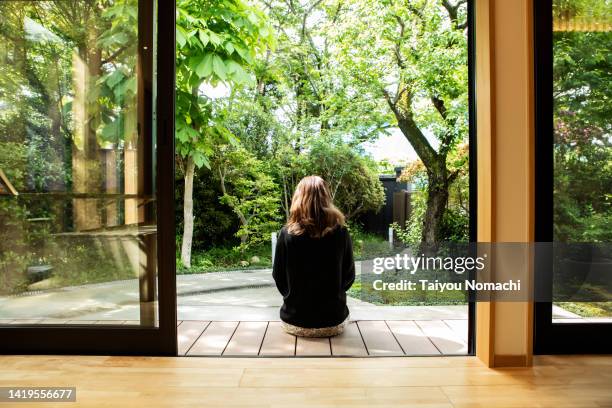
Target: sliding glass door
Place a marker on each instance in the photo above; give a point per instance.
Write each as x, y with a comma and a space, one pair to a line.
86, 177
574, 175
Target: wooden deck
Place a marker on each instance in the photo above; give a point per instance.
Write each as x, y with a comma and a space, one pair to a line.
267, 339
360, 339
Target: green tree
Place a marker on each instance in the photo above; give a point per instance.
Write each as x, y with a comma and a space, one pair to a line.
249, 190
303, 78
412, 57
353, 178
455, 224
303, 115
216, 41
582, 159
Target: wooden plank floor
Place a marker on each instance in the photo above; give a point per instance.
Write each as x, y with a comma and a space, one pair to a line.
361, 338
264, 339
398, 382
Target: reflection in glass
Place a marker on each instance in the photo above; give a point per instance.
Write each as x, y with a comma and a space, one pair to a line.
582, 86
78, 232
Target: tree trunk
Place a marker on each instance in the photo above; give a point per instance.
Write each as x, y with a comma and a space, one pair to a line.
437, 178
437, 198
188, 213
243, 220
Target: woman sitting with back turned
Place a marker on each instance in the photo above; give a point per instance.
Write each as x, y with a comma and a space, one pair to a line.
313, 263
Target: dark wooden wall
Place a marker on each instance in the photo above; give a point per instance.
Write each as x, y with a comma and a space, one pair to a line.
397, 207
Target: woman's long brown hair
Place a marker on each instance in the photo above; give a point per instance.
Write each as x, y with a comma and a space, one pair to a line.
312, 209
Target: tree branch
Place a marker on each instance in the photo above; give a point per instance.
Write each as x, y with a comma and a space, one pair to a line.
397, 49
450, 123
453, 176
453, 13
411, 131
115, 54
440, 106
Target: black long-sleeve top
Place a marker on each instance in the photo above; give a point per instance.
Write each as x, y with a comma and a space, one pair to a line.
313, 275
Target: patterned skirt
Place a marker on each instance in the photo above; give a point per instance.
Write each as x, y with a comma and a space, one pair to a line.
315, 332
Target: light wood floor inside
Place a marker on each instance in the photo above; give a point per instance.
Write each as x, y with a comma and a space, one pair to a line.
554, 381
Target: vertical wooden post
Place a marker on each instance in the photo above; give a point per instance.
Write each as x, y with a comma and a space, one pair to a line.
505, 137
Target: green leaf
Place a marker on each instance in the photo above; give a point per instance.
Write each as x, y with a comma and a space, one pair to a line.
203, 37
194, 62
113, 79
214, 39
117, 38
233, 140
110, 131
194, 41
244, 54
131, 85
200, 159
253, 18
192, 133
231, 66
219, 67
205, 67
181, 36
237, 73
180, 134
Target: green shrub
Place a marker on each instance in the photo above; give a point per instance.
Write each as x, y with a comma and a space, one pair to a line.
367, 245
222, 258
405, 298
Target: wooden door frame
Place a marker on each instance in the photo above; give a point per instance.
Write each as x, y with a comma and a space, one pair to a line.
557, 338
132, 340
473, 168
163, 340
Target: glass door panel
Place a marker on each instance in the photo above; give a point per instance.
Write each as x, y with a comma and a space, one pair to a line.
79, 225
78, 199
582, 153
573, 40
